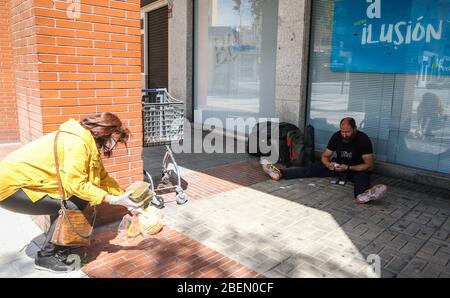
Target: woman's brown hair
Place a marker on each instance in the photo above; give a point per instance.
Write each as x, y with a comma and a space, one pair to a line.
104, 126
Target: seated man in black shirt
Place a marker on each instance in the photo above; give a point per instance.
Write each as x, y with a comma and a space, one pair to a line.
354, 159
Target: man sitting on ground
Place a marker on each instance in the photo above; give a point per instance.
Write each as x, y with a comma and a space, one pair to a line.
354, 159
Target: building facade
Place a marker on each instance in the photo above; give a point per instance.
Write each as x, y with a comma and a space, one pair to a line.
60, 61
305, 62
315, 62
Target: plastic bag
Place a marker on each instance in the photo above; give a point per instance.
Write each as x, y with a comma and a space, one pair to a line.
150, 221
42, 221
122, 230
146, 222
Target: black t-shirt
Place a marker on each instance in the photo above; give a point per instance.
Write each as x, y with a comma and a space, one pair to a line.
350, 153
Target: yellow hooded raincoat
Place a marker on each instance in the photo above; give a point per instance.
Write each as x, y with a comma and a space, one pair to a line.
32, 167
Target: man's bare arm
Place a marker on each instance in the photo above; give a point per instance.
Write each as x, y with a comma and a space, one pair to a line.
326, 158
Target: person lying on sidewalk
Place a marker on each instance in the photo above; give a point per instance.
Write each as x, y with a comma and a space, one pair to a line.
354, 159
29, 185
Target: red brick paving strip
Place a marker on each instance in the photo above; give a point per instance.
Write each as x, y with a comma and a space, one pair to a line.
167, 254
210, 182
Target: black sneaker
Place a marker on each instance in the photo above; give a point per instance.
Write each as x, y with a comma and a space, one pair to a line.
54, 263
63, 253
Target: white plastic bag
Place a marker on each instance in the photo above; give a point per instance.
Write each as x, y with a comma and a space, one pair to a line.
146, 222
42, 221
128, 227
150, 221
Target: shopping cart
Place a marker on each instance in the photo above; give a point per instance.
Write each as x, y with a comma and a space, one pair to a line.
163, 118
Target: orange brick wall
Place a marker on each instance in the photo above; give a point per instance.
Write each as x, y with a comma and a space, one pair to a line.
8, 109
25, 65
70, 68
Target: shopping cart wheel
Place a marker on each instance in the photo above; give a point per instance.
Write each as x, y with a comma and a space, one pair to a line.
181, 198
158, 202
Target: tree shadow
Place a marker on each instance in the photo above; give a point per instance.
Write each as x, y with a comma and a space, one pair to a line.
269, 255
155, 256
315, 229
398, 229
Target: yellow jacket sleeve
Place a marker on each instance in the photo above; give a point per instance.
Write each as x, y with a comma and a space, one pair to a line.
74, 174
108, 183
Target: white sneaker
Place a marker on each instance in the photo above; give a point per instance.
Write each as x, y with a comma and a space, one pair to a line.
270, 169
375, 193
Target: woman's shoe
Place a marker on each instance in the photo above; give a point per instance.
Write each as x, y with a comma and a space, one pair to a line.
53, 263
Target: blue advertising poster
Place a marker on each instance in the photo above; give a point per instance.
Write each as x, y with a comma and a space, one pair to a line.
391, 36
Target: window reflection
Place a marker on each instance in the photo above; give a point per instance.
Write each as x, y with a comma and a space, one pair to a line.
235, 56
406, 115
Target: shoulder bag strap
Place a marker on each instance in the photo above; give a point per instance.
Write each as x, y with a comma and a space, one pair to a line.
62, 194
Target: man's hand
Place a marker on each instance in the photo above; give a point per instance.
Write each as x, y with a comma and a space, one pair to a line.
341, 168
330, 166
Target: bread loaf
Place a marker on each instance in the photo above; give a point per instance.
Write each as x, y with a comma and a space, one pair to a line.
140, 192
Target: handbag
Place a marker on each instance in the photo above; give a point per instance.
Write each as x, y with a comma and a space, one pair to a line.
72, 227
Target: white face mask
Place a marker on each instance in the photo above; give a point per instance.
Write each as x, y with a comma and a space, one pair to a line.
109, 146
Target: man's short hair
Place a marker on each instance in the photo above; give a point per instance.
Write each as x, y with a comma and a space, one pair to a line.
350, 121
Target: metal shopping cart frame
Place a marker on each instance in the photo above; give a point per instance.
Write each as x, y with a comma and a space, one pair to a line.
163, 119
162, 116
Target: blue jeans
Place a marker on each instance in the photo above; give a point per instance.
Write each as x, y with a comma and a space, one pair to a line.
361, 180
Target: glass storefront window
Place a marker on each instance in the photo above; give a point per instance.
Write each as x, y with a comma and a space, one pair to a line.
235, 58
406, 115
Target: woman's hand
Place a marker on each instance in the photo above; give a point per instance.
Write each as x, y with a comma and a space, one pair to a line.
123, 200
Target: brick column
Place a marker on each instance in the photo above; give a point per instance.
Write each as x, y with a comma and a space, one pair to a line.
70, 66
8, 109
23, 34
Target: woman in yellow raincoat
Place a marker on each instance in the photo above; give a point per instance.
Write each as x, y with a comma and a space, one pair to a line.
29, 185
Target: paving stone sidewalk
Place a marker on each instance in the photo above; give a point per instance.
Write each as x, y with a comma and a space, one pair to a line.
17, 251
238, 223
295, 228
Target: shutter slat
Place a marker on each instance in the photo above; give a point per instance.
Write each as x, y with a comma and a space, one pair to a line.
158, 43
